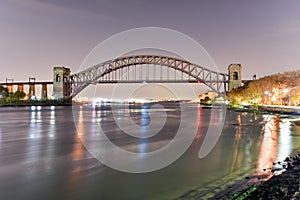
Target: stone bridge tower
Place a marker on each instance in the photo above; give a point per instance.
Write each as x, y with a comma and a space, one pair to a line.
235, 76
61, 85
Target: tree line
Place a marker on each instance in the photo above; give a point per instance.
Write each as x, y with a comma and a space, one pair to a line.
10, 97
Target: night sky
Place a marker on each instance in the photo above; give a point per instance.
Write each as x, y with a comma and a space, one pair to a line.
264, 36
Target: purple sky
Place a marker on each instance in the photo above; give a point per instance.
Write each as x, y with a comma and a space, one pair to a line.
264, 36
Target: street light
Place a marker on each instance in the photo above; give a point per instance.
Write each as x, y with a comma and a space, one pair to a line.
286, 90
267, 93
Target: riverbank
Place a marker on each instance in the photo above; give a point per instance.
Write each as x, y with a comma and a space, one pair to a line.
22, 103
284, 179
268, 109
283, 185
290, 110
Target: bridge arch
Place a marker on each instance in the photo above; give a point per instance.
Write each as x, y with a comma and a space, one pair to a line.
100, 73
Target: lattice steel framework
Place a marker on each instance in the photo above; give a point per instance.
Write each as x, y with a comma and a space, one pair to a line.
146, 68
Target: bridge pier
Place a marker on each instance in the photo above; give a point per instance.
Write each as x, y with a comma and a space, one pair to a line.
31, 90
21, 87
44, 94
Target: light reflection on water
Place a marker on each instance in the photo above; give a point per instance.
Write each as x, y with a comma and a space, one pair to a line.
250, 153
268, 146
284, 140
47, 143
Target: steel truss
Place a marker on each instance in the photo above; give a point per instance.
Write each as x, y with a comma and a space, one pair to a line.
139, 68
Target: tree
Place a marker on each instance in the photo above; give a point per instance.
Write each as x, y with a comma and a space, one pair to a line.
3, 92
265, 88
18, 95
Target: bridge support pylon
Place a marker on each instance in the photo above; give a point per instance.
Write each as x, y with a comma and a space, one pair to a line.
21, 87
235, 76
44, 94
61, 86
31, 90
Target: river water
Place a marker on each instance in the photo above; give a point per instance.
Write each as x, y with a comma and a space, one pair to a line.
43, 154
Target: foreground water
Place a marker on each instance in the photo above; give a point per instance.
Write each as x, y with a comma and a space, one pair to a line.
43, 155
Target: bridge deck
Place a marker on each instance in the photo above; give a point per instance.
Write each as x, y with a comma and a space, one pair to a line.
114, 82
149, 81
28, 83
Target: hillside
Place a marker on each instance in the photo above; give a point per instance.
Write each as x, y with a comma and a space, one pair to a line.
277, 89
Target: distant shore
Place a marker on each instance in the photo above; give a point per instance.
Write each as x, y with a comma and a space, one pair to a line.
263, 109
37, 103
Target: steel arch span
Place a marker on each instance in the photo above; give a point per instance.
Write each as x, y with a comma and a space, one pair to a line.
147, 68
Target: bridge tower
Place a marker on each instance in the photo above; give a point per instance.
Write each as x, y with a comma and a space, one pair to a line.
235, 76
61, 85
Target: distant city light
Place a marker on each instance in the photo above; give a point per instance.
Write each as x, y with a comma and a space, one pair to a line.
285, 90
273, 99
140, 100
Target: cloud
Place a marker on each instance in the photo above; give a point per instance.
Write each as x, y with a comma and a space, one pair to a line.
287, 29
90, 10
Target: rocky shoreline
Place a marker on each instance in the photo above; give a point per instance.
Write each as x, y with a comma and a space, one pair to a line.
264, 109
284, 179
285, 185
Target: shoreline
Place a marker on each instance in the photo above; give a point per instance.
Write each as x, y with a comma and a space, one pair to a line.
268, 109
275, 186
284, 185
38, 103
259, 186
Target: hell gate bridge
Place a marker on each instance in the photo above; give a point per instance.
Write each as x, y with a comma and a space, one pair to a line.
141, 69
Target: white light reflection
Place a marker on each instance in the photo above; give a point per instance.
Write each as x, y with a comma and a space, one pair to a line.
34, 133
32, 136
35, 120
52, 124
144, 117
284, 140
80, 125
94, 116
144, 122
39, 118
52, 117
32, 118
142, 148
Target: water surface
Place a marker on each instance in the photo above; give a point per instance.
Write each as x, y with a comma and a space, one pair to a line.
43, 157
